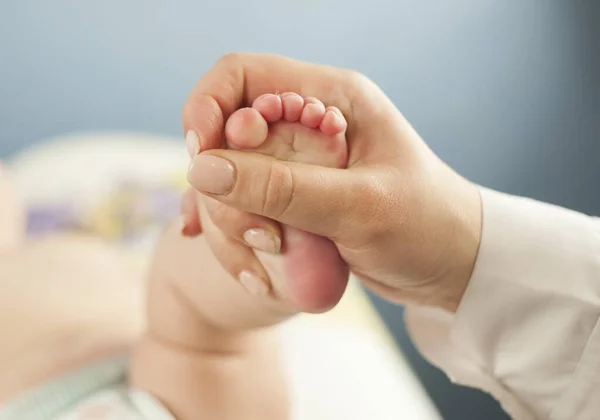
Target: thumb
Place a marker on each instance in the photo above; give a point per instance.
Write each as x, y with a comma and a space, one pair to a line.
316, 199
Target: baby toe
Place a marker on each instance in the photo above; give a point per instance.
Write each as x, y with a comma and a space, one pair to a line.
269, 106
246, 129
333, 122
313, 112
292, 106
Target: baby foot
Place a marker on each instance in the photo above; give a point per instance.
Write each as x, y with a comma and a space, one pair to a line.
205, 331
289, 127
292, 128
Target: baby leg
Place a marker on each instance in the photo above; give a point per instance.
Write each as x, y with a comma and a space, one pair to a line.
208, 351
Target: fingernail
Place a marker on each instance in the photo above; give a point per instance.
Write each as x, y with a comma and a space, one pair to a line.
183, 227
193, 143
263, 240
253, 283
211, 174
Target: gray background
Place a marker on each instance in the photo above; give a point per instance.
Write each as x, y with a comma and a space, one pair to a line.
505, 91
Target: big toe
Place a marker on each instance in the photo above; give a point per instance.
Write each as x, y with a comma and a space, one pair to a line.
246, 128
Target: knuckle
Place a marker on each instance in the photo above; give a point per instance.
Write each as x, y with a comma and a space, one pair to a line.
229, 220
226, 218
210, 112
357, 79
219, 214
202, 107
230, 59
358, 90
278, 192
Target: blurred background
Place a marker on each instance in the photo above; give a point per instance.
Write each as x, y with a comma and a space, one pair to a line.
506, 92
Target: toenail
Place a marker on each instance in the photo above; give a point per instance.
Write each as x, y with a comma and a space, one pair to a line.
254, 284
193, 143
263, 240
211, 174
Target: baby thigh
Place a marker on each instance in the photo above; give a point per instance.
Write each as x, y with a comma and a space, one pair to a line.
65, 302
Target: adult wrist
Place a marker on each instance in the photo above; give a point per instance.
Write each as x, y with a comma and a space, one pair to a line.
466, 219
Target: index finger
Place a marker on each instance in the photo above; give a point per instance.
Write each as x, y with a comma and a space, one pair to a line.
237, 79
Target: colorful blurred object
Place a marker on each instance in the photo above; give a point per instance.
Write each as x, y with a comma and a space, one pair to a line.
127, 213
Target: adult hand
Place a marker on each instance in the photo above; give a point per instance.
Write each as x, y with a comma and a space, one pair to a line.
405, 223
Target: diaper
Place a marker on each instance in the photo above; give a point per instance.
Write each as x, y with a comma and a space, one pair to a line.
96, 392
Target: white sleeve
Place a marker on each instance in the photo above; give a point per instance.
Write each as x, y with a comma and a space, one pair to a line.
527, 329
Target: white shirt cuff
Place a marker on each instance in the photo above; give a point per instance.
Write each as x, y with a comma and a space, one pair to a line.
527, 328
